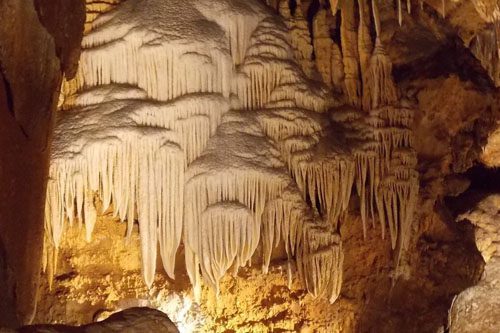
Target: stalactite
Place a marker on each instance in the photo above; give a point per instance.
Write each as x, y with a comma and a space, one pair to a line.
283, 220
378, 86
323, 46
337, 66
485, 48
365, 45
334, 4
300, 38
320, 261
376, 18
227, 230
273, 4
349, 38
284, 9
400, 13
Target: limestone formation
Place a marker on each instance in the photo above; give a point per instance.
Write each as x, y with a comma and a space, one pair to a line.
149, 144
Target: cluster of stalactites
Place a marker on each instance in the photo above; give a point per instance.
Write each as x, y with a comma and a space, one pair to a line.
386, 179
227, 237
398, 190
119, 52
385, 176
383, 168
391, 161
348, 66
323, 174
126, 133
254, 178
275, 159
320, 260
142, 175
247, 173
328, 57
409, 4
269, 73
226, 191
314, 243
286, 108
136, 162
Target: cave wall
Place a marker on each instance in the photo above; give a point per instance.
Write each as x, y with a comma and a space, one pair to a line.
39, 42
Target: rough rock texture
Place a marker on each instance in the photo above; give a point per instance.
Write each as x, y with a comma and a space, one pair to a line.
98, 278
132, 320
491, 152
34, 54
477, 309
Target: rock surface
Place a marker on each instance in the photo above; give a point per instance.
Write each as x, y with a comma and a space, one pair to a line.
477, 309
34, 55
133, 320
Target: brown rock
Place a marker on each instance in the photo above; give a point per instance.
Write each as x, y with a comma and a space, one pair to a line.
32, 62
133, 320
